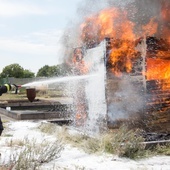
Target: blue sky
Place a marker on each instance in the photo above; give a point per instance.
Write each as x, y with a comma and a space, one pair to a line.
30, 31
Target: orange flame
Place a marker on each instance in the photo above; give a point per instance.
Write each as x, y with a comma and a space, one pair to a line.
80, 66
121, 56
115, 24
165, 13
110, 22
158, 69
151, 28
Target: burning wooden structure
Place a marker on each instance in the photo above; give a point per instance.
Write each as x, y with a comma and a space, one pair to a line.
149, 84
137, 82
137, 62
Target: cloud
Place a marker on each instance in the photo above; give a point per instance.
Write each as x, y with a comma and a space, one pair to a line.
33, 50
2, 26
13, 9
47, 37
44, 48
42, 42
21, 46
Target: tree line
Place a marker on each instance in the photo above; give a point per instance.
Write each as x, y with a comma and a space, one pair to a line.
16, 71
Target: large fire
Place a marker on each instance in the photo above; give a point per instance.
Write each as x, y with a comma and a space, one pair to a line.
114, 23
108, 23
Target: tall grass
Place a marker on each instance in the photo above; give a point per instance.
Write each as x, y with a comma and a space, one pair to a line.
122, 142
32, 154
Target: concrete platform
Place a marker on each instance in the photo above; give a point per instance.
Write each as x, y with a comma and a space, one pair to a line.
60, 118
40, 109
34, 114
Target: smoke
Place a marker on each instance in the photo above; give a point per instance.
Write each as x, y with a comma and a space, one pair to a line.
125, 101
141, 12
71, 37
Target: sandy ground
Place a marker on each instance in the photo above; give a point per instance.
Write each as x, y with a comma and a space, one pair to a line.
73, 158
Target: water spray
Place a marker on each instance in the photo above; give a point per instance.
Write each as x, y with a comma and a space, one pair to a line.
31, 87
58, 79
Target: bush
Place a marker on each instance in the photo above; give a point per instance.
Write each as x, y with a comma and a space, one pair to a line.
127, 143
33, 154
122, 142
162, 149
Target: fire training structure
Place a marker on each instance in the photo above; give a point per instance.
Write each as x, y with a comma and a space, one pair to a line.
137, 57
147, 77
